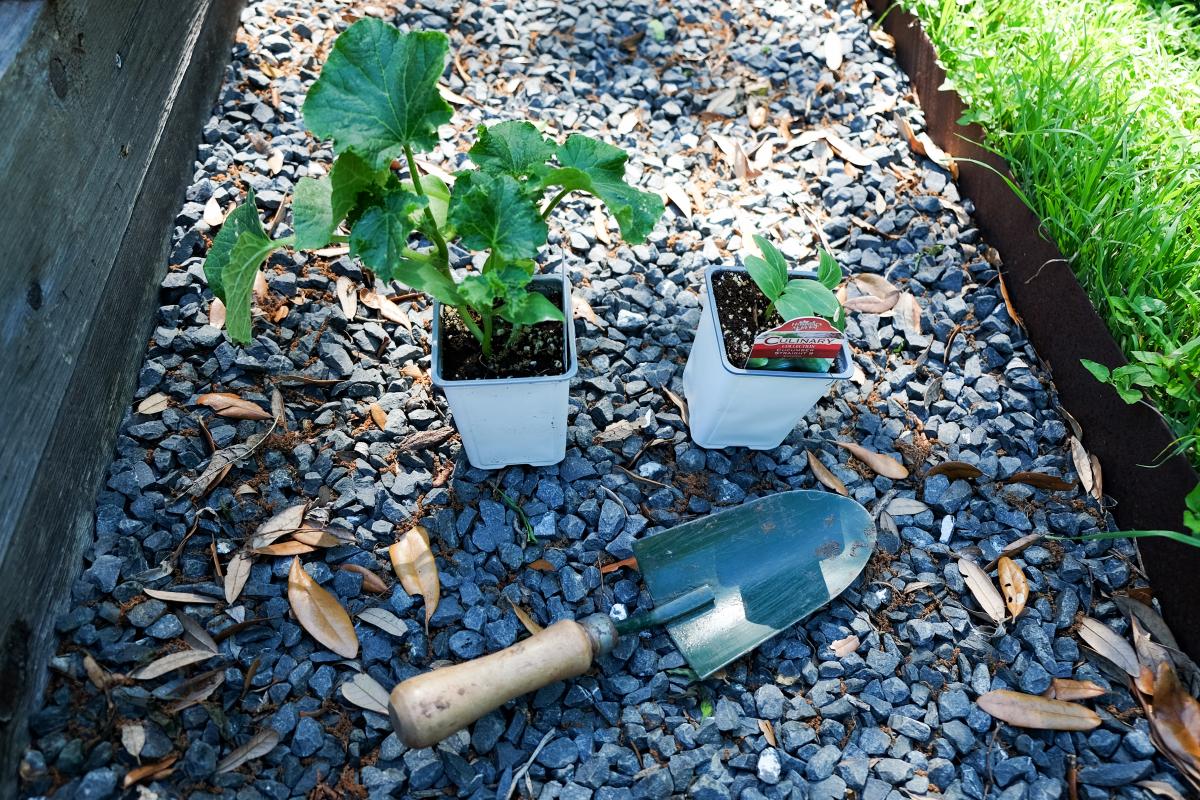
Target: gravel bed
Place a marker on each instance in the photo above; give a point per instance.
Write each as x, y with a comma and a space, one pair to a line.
894, 719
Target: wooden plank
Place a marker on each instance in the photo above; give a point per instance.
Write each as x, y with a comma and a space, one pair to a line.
103, 106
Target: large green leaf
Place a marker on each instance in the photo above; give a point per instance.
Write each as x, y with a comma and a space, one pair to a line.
490, 212
438, 194
804, 298
380, 235
378, 92
478, 292
424, 277
511, 148
319, 206
530, 308
829, 273
592, 166
246, 257
242, 219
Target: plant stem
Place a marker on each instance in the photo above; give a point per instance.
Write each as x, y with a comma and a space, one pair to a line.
553, 202
443, 259
465, 314
487, 335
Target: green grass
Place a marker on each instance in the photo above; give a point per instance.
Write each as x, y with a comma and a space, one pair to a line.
1096, 105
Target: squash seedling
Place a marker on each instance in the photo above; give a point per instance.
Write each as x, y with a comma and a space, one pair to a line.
377, 99
796, 297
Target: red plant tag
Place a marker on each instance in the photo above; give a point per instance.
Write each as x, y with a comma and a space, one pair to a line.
803, 337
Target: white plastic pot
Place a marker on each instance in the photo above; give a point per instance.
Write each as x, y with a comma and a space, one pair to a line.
505, 421
733, 407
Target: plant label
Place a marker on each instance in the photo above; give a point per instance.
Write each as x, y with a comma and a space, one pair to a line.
803, 337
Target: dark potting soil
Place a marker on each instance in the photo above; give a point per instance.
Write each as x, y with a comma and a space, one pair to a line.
742, 314
538, 350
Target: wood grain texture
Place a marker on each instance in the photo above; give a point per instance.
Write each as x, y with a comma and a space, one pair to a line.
427, 708
103, 106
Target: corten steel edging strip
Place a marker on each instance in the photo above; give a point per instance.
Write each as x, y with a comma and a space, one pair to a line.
1064, 327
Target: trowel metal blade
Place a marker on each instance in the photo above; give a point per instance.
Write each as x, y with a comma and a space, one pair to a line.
770, 563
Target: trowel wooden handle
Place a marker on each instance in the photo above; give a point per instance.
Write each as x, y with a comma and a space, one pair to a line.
427, 708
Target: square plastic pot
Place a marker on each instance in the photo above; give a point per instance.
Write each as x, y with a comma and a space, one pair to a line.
506, 421
730, 406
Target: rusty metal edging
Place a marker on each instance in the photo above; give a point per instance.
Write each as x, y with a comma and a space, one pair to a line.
1064, 328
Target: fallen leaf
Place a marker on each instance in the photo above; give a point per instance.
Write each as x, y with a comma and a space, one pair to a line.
1040, 713
844, 647
825, 476
1097, 479
288, 548
542, 565
1068, 689
1151, 655
1040, 480
908, 311
524, 618
1013, 548
768, 732
196, 690
180, 597
882, 464
983, 590
281, 524
319, 613
582, 309
384, 620
1162, 789
630, 562
1013, 585
97, 675
378, 416
673, 192
846, 151
756, 115
159, 769
169, 663
832, 49
278, 409
154, 404
196, 633
955, 470
213, 215
133, 738
1175, 718
679, 402
619, 431
882, 38
275, 162
259, 745
1008, 304
1110, 645
365, 692
412, 560
260, 286
906, 507
223, 460
226, 404
347, 296
371, 582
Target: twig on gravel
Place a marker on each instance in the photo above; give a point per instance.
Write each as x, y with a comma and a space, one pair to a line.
516, 778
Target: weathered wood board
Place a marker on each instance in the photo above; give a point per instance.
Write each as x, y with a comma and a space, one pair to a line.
101, 106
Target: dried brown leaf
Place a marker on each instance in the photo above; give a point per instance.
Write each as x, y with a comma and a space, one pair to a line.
319, 613
289, 548
768, 732
196, 634
582, 309
412, 560
216, 313
1110, 645
1097, 478
1008, 304
196, 690
133, 738
154, 404
213, 214
982, 589
283, 523
630, 562
169, 663
1162, 789
371, 582
524, 618
347, 296
825, 476
223, 461
832, 49
181, 597
1069, 689
1041, 480
542, 565
679, 403
226, 404
378, 416
955, 470
365, 692
844, 647
1040, 713
675, 193
1013, 548
259, 745
1013, 585
384, 620
882, 464
906, 507
1175, 717
159, 769
99, 677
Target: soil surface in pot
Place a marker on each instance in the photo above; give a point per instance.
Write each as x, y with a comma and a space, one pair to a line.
538, 351
742, 313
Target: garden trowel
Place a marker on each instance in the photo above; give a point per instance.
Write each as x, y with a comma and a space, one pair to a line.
722, 584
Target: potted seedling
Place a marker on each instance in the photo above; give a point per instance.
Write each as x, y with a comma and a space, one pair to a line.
503, 349
769, 343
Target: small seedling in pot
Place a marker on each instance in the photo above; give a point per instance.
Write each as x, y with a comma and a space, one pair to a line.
377, 99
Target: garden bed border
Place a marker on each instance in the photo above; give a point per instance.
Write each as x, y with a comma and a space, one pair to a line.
1064, 327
